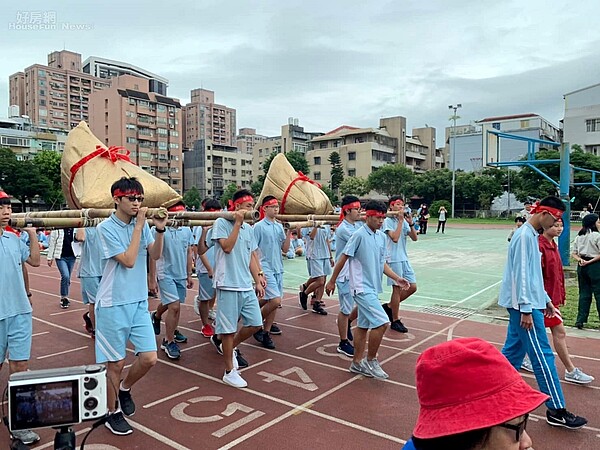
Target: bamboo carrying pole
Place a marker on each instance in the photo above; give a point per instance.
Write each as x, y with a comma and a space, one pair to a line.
152, 212
307, 224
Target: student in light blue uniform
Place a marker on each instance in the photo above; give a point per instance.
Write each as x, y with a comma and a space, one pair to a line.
297, 247
522, 294
235, 269
271, 240
348, 312
397, 229
15, 309
319, 261
173, 270
122, 301
205, 263
91, 266
365, 253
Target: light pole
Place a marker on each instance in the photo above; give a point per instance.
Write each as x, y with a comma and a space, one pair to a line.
453, 118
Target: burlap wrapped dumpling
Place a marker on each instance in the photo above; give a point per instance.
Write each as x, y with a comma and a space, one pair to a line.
297, 193
88, 169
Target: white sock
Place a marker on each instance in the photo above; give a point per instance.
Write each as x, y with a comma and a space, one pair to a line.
122, 388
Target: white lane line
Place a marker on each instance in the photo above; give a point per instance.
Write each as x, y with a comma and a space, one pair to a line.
51, 443
170, 397
157, 436
299, 315
40, 333
255, 365
309, 344
195, 320
186, 349
67, 312
477, 293
62, 353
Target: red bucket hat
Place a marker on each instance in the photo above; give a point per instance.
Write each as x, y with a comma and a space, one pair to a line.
467, 384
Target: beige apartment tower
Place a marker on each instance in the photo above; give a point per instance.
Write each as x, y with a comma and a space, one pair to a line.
204, 119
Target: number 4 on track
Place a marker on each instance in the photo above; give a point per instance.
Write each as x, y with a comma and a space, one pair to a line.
304, 383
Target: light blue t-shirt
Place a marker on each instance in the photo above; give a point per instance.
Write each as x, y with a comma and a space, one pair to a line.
210, 253
343, 232
366, 249
317, 248
173, 262
522, 285
270, 237
396, 251
91, 263
120, 285
232, 270
13, 254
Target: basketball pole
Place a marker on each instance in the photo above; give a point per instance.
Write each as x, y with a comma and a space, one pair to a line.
454, 117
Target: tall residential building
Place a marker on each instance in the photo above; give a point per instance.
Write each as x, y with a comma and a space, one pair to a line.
212, 167
581, 123
55, 96
204, 119
147, 124
25, 140
247, 139
292, 138
108, 68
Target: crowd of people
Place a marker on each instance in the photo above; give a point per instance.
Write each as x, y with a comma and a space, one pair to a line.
240, 270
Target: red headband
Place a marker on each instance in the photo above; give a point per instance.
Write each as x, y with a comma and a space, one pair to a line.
120, 193
395, 202
212, 209
4, 195
374, 213
555, 212
176, 208
245, 198
348, 207
261, 210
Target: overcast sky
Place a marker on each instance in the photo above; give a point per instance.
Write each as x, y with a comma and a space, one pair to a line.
332, 62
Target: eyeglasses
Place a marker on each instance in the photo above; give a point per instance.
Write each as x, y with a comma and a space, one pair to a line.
519, 428
135, 198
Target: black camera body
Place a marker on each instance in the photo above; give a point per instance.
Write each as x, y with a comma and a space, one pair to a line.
56, 397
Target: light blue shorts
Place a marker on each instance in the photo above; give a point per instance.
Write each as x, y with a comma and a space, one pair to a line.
370, 312
404, 269
274, 287
318, 267
115, 325
232, 306
89, 289
172, 291
206, 291
15, 337
345, 297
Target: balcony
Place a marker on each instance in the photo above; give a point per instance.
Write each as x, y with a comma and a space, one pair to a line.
416, 155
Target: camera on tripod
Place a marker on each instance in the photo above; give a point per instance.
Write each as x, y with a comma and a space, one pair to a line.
56, 397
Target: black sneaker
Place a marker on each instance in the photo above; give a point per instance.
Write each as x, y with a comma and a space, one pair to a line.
126, 402
64, 303
266, 341
88, 323
217, 343
303, 297
398, 326
242, 363
579, 325
258, 335
275, 330
564, 418
349, 333
317, 308
388, 311
155, 323
117, 424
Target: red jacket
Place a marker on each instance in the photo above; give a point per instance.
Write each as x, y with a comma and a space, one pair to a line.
554, 277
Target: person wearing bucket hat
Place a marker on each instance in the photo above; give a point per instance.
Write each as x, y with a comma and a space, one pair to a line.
522, 294
483, 403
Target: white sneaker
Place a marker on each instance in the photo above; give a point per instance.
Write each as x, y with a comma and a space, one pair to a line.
212, 314
375, 368
578, 376
234, 379
197, 305
526, 365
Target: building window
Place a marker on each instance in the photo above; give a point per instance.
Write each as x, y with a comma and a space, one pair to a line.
359, 140
351, 172
592, 125
106, 103
524, 123
317, 176
323, 145
317, 160
42, 93
351, 156
43, 112
496, 125
41, 73
593, 149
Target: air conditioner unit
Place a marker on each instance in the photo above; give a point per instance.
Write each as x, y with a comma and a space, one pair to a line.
172, 127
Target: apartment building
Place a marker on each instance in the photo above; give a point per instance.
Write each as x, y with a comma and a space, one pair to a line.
106, 69
247, 139
212, 167
581, 123
149, 125
55, 96
204, 119
25, 140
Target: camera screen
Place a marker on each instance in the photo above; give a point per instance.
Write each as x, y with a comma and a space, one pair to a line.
44, 405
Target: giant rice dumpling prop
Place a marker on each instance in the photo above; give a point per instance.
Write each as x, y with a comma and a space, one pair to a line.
297, 193
89, 168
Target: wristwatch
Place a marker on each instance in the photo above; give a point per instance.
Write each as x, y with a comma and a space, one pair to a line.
158, 230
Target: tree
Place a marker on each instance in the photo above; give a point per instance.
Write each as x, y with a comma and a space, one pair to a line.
192, 198
433, 185
333, 198
337, 170
25, 181
8, 161
354, 186
228, 194
48, 161
391, 179
256, 186
476, 191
